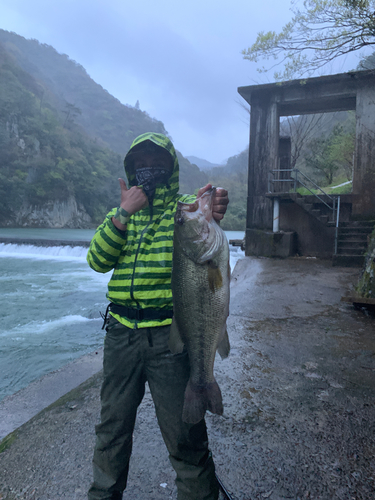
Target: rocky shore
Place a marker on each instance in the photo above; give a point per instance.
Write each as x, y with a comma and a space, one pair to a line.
298, 390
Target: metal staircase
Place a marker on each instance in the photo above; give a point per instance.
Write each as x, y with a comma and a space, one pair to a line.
350, 237
290, 179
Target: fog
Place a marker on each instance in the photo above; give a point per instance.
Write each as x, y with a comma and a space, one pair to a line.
181, 60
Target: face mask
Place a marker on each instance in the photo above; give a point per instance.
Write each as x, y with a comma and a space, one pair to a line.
148, 178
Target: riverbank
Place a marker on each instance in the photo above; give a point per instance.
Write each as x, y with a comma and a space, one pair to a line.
298, 391
17, 409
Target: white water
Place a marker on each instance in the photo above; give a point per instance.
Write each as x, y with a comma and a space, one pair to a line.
49, 305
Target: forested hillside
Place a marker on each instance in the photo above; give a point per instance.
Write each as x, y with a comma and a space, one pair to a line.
233, 177
76, 96
62, 140
44, 157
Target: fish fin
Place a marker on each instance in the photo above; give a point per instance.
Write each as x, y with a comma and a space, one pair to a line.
175, 343
215, 278
223, 347
195, 404
214, 398
199, 399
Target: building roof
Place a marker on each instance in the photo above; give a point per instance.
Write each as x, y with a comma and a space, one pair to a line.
311, 95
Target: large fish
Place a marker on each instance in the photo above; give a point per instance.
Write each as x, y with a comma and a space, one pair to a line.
200, 286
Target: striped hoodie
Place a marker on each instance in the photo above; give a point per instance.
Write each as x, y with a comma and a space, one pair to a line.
141, 257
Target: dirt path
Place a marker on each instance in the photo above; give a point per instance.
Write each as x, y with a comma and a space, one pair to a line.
298, 391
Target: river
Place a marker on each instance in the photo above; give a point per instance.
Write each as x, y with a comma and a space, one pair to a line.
50, 303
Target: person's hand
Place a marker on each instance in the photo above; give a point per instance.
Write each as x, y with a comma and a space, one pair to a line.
132, 200
220, 201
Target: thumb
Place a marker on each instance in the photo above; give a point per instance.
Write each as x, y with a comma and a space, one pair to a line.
203, 190
123, 185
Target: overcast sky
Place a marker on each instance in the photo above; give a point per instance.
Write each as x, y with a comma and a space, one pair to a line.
181, 59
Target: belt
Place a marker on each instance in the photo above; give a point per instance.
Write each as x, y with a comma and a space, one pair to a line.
147, 314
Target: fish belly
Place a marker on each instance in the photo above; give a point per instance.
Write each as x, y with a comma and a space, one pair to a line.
200, 314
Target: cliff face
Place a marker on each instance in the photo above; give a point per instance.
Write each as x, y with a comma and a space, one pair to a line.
54, 215
62, 140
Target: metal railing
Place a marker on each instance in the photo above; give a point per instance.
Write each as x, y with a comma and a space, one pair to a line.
337, 224
297, 178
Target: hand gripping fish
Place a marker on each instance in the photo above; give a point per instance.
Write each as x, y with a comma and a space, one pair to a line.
200, 287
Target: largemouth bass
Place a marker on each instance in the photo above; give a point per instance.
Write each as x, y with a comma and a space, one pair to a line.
200, 286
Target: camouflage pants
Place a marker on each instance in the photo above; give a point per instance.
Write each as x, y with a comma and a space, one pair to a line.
132, 357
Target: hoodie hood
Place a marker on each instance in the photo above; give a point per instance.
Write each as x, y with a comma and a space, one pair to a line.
151, 142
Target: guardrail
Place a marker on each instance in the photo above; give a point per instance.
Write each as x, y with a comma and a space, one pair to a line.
297, 178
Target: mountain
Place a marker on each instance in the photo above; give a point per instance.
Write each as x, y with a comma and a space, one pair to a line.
63, 139
202, 164
233, 177
76, 96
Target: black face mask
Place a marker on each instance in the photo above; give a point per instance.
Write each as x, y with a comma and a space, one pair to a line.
148, 178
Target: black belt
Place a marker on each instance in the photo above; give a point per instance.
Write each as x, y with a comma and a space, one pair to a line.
147, 314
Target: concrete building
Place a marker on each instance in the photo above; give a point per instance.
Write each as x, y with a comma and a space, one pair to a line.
279, 221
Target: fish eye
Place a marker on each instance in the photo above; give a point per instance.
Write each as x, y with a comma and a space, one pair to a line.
180, 221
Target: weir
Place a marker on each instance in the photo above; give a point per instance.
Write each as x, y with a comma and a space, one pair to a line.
41, 242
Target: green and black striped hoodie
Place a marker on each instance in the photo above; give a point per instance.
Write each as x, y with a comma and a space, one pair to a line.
141, 258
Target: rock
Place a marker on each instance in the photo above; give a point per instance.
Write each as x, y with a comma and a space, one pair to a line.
54, 215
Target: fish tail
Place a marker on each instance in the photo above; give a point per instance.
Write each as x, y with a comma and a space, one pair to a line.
198, 399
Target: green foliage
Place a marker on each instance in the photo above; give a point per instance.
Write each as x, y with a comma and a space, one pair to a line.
76, 97
340, 190
191, 178
332, 154
233, 177
41, 159
62, 135
346, 189
318, 33
7, 442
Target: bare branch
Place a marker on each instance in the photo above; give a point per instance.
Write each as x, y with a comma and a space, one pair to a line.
325, 30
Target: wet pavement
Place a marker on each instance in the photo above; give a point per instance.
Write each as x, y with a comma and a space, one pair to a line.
298, 390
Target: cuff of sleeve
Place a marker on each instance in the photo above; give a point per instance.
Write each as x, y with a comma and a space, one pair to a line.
122, 216
115, 233
121, 233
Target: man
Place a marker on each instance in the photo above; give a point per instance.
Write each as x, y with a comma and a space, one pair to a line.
136, 242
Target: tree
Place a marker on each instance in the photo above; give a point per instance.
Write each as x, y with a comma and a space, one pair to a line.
300, 129
321, 32
71, 111
367, 63
333, 154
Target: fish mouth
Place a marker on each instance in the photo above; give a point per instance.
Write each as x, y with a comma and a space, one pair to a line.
183, 211
209, 193
204, 203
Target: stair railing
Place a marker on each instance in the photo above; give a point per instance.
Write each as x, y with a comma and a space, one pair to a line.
337, 224
295, 181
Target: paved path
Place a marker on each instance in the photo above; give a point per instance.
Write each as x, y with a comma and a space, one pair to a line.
298, 392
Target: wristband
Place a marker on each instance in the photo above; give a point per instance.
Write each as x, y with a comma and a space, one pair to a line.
122, 216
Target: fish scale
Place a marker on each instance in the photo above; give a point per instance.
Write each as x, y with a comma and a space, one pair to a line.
200, 286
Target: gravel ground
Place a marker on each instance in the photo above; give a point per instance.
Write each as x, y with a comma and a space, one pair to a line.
298, 393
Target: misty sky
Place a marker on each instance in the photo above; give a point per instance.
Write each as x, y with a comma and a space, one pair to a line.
181, 60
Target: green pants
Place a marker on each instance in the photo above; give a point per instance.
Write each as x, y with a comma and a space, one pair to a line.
132, 357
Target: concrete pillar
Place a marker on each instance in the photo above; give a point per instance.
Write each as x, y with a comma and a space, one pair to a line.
364, 160
263, 154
